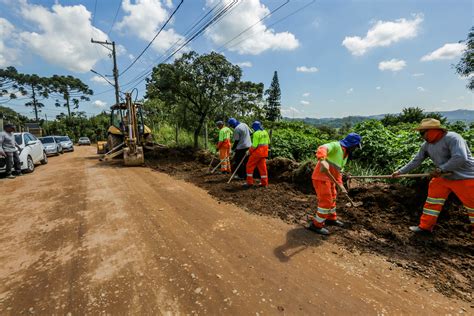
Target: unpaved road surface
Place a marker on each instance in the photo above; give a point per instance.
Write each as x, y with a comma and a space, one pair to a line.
82, 237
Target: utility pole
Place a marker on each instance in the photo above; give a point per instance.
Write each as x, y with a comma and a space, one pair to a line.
47, 127
115, 71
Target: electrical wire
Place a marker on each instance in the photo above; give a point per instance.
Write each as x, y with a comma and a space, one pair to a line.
274, 23
253, 25
115, 17
216, 18
151, 42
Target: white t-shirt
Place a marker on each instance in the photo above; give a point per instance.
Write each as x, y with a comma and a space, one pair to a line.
242, 134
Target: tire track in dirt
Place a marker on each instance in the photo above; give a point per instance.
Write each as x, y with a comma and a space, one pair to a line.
135, 241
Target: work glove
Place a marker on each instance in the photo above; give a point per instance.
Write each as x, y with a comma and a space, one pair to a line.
436, 173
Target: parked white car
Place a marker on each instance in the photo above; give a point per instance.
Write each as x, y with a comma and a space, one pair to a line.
32, 152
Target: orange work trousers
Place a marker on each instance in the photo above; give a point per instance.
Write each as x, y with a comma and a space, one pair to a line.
257, 162
224, 156
326, 193
438, 192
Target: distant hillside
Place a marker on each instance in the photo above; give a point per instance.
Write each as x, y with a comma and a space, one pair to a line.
452, 116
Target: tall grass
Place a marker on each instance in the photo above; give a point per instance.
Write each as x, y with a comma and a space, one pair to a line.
166, 135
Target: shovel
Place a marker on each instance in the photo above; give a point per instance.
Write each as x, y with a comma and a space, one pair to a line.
238, 166
220, 163
210, 165
343, 189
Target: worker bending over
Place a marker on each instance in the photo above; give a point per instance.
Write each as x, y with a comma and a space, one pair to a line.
223, 146
258, 155
242, 143
332, 158
450, 153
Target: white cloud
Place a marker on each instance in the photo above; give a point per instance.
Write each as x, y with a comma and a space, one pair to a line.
144, 18
332, 100
378, 88
63, 36
448, 51
421, 89
383, 33
100, 104
306, 69
245, 64
392, 65
100, 80
131, 57
350, 90
8, 55
258, 39
418, 74
303, 102
306, 94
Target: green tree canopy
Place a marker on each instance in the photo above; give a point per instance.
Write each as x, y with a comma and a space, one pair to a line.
197, 88
69, 91
465, 67
273, 104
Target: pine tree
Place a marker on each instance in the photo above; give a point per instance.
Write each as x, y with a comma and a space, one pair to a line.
273, 104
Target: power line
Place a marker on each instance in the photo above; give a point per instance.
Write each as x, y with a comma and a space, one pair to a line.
216, 18
253, 25
178, 42
115, 17
274, 23
156, 35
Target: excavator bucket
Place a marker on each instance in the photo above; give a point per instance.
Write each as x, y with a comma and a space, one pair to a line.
133, 158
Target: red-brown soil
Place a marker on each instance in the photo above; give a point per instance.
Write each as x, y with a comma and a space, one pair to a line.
380, 226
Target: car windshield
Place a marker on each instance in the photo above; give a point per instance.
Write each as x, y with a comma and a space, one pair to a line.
47, 140
63, 138
83, 138
18, 139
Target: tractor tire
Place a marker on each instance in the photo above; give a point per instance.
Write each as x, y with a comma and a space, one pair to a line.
113, 141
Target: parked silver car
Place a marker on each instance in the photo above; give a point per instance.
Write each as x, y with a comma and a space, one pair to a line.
65, 142
84, 141
51, 147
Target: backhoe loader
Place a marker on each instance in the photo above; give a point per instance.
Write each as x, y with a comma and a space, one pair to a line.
127, 134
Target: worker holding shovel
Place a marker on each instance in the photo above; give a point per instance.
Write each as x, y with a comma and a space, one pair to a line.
258, 155
332, 158
223, 146
454, 172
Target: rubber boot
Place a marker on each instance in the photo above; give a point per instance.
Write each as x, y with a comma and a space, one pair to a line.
418, 230
336, 222
321, 231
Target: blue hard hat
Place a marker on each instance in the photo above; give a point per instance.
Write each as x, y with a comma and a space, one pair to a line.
351, 140
232, 122
257, 126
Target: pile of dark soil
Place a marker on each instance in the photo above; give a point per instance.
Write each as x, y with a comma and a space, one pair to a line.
380, 226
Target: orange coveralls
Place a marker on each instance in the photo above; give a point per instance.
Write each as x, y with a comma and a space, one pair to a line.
258, 157
224, 148
325, 189
438, 192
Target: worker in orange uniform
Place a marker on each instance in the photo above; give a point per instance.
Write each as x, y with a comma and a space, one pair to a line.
450, 153
223, 146
332, 158
258, 155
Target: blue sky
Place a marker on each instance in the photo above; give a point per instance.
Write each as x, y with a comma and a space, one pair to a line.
334, 58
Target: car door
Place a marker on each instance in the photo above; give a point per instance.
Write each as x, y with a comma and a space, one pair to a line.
35, 147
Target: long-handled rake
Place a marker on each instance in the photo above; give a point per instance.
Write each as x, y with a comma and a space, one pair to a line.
238, 166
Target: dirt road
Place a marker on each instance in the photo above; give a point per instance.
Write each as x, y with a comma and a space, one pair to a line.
82, 237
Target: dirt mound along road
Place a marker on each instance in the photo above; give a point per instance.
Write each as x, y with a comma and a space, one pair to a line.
84, 237
380, 226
